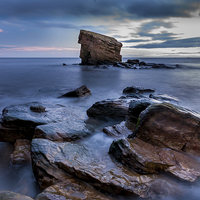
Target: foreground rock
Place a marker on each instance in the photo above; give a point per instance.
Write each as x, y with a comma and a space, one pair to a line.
166, 125
22, 152
79, 92
63, 131
56, 162
8, 195
19, 121
146, 158
98, 49
71, 189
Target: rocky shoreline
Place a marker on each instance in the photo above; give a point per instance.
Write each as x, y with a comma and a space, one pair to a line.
156, 139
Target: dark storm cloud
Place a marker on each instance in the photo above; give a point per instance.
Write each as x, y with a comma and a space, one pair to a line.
181, 43
137, 9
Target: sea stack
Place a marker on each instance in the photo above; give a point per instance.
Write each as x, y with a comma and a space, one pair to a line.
98, 49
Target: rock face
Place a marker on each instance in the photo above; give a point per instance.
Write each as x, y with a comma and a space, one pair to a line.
166, 125
22, 152
98, 49
8, 195
146, 158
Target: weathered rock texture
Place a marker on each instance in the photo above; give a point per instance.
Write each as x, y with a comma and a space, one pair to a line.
8, 195
167, 125
71, 189
146, 158
55, 162
22, 152
98, 49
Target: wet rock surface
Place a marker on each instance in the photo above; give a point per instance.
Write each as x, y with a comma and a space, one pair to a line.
71, 189
57, 161
63, 131
8, 195
22, 152
136, 64
134, 89
79, 92
110, 108
19, 121
146, 158
167, 125
118, 130
98, 49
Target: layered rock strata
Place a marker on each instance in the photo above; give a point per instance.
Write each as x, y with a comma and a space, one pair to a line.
98, 49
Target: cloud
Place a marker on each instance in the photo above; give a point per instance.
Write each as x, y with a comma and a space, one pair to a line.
145, 30
1, 31
179, 43
137, 9
135, 40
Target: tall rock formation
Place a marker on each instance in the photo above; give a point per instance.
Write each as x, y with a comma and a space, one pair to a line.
98, 49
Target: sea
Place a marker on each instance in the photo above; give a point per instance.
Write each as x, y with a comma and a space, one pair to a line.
45, 79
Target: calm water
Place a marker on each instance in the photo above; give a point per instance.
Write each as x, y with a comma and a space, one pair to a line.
25, 80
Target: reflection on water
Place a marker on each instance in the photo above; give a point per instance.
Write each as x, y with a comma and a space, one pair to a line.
26, 80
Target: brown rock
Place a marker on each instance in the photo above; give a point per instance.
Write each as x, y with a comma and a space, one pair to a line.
166, 125
8, 195
22, 152
146, 158
98, 49
71, 189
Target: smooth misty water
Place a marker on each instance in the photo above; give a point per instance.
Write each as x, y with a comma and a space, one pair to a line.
26, 80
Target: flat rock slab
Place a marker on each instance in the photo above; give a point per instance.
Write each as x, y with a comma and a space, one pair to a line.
54, 162
166, 125
146, 158
19, 121
71, 189
63, 131
8, 195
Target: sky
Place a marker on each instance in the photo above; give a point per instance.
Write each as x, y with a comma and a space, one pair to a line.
146, 28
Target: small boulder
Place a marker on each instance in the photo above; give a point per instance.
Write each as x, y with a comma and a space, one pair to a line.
134, 89
22, 152
110, 109
79, 92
